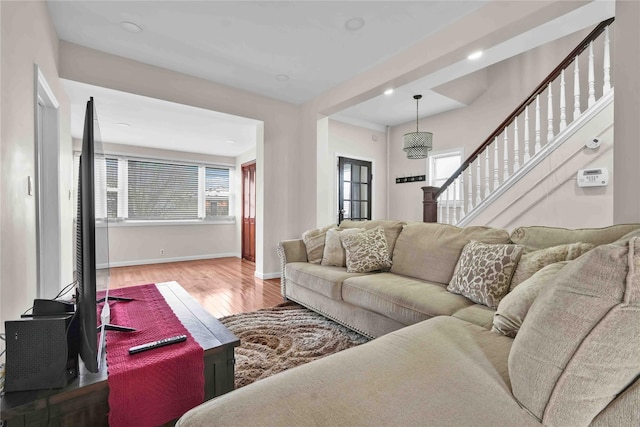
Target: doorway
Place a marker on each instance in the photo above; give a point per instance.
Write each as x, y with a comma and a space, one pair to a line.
249, 211
354, 189
47, 176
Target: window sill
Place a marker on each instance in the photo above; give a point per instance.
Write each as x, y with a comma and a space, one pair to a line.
162, 223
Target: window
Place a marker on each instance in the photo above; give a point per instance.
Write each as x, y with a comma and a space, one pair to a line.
441, 165
157, 190
161, 191
216, 192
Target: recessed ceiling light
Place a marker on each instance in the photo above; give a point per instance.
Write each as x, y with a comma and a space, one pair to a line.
124, 125
131, 27
354, 24
388, 91
231, 141
282, 77
475, 55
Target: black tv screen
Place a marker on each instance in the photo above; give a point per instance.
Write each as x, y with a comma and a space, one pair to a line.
91, 243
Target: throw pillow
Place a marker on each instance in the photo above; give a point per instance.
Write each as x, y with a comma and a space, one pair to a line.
333, 253
578, 347
534, 261
484, 272
366, 251
513, 308
392, 229
314, 243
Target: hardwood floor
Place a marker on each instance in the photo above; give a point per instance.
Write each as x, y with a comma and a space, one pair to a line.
223, 286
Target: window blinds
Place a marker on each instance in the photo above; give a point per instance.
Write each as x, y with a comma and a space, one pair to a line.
162, 190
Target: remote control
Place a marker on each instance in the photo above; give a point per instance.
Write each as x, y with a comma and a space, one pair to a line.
156, 344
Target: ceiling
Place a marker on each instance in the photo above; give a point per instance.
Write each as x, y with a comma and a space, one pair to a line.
288, 50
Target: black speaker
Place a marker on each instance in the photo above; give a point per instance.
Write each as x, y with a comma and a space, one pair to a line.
42, 352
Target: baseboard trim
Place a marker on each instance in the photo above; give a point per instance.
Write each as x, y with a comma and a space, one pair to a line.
165, 260
265, 276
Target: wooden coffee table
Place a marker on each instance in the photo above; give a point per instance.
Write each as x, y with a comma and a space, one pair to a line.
85, 400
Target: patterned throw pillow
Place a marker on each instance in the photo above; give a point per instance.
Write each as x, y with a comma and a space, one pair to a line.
314, 243
484, 272
333, 253
366, 251
532, 262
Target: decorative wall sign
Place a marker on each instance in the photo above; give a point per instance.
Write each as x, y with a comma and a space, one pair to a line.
416, 178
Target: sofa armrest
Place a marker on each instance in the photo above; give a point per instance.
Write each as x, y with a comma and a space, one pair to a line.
290, 251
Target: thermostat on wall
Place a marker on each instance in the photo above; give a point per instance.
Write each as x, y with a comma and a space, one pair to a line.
593, 177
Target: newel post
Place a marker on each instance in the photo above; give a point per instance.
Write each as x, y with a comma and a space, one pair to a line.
429, 204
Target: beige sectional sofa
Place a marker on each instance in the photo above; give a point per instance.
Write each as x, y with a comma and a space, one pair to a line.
575, 359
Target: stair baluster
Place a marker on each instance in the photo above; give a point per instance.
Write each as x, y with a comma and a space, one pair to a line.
576, 90
563, 103
592, 78
549, 116
496, 179
516, 146
487, 188
470, 205
537, 147
526, 135
505, 152
606, 87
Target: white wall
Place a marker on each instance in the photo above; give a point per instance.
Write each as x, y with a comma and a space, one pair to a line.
27, 38
277, 153
346, 140
509, 83
626, 74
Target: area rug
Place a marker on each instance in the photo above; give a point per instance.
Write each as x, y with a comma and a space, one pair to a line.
279, 338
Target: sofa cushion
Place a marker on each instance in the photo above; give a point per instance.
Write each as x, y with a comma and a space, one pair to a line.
314, 243
477, 314
514, 307
534, 261
392, 229
578, 347
325, 280
623, 411
537, 237
401, 298
366, 251
430, 251
334, 253
444, 372
483, 272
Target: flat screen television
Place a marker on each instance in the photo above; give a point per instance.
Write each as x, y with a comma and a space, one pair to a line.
86, 246
92, 246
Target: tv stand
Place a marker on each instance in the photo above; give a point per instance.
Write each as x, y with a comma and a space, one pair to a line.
110, 327
105, 317
110, 298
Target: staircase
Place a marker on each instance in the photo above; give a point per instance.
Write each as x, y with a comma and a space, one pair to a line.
556, 113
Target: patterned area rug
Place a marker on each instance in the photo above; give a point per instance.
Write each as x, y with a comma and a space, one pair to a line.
282, 337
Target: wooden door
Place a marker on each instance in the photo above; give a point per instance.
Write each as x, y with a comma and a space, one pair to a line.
249, 211
354, 189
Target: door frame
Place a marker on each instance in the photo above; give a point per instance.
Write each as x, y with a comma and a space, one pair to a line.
336, 186
47, 187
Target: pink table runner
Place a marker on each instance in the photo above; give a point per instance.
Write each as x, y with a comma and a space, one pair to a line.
155, 386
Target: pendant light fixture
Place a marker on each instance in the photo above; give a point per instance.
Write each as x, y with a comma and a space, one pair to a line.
417, 144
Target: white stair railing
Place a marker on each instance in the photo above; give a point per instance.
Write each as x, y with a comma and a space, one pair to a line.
455, 199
